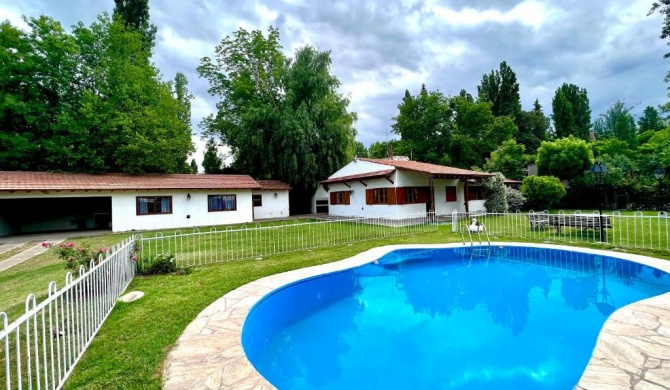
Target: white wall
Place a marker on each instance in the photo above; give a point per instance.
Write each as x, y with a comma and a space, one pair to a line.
273, 207
357, 167
442, 207
185, 213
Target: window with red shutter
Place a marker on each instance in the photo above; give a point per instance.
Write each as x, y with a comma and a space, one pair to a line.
451, 194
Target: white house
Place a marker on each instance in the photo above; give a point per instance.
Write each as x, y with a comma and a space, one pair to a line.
271, 200
42, 201
373, 187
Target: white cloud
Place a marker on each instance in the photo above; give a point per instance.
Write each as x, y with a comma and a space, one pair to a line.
529, 13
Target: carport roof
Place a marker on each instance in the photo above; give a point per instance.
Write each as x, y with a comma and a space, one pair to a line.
43, 181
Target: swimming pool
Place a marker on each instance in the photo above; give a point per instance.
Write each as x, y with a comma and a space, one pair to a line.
454, 318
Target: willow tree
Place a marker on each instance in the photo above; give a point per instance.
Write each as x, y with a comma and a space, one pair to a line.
282, 117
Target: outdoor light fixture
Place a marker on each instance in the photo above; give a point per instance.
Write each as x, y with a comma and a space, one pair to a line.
276, 195
351, 192
599, 170
659, 174
188, 196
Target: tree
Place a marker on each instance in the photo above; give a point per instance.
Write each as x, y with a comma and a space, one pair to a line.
472, 122
650, 120
361, 150
509, 159
423, 124
193, 166
135, 15
617, 122
496, 201
533, 128
86, 101
184, 98
571, 112
383, 149
515, 199
212, 161
283, 118
542, 192
564, 158
501, 89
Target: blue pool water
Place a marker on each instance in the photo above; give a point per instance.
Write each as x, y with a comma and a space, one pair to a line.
464, 318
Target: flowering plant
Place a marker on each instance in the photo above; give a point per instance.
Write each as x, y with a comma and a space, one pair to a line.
159, 264
75, 255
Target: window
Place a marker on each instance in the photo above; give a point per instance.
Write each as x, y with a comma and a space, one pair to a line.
149, 205
221, 203
411, 195
380, 196
340, 197
476, 193
451, 194
258, 200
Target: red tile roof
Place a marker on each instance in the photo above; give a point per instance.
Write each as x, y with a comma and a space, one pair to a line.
273, 185
40, 181
369, 175
431, 169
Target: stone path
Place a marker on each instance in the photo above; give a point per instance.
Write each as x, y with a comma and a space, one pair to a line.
23, 256
8, 247
632, 352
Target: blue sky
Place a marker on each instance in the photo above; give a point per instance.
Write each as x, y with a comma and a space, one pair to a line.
380, 48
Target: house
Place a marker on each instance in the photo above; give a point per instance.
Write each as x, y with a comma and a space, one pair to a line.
271, 200
373, 187
42, 201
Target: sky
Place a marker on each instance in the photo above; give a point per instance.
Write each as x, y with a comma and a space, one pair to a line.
380, 48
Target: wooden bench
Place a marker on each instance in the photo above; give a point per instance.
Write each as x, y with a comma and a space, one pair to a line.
581, 221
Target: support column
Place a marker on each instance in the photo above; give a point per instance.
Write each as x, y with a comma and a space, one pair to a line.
432, 193
466, 195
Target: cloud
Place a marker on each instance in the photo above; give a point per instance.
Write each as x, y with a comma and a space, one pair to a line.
381, 48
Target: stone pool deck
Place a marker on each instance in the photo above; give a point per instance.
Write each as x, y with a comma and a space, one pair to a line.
632, 352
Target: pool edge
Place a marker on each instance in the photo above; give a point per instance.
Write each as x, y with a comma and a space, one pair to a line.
209, 353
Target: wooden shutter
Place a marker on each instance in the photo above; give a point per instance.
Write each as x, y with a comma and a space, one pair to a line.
390, 195
333, 198
346, 198
400, 195
369, 197
451, 194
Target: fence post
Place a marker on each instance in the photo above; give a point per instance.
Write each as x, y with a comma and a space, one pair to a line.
454, 221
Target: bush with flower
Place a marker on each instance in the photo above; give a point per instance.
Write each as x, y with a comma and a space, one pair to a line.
75, 255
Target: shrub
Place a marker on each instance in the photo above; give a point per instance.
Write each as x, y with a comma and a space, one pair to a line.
542, 192
161, 264
75, 256
515, 199
495, 194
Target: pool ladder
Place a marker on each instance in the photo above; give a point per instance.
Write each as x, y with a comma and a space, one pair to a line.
478, 233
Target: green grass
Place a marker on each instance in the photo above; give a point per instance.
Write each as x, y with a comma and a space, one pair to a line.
141, 333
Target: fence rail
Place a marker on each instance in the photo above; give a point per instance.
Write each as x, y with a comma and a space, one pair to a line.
213, 246
40, 349
626, 231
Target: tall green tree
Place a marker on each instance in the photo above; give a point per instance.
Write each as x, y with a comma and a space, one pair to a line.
565, 158
571, 112
650, 120
282, 117
617, 122
423, 123
135, 15
184, 97
212, 162
501, 89
509, 159
533, 128
193, 168
361, 150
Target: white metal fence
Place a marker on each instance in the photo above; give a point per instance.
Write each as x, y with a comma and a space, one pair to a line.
233, 243
637, 230
41, 348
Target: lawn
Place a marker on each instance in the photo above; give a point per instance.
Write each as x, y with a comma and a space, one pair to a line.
141, 333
